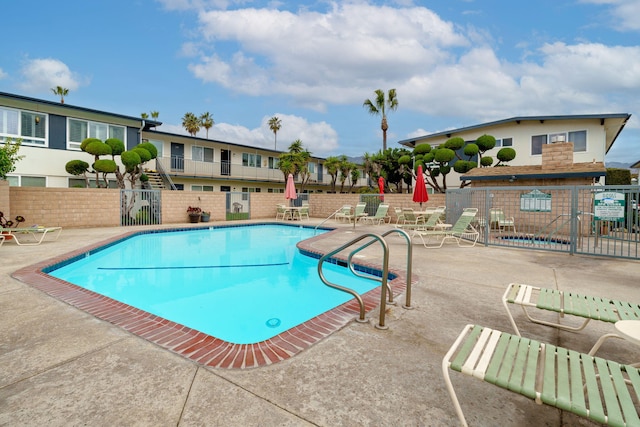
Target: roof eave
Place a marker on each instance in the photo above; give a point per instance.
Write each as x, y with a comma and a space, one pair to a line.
516, 176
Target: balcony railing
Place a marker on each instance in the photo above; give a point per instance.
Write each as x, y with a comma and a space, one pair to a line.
179, 166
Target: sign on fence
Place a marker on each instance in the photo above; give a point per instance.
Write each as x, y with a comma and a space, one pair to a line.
609, 206
535, 201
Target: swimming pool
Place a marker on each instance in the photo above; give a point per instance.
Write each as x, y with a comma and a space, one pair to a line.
533, 240
242, 285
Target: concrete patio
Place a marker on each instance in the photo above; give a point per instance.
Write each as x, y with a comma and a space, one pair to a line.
60, 366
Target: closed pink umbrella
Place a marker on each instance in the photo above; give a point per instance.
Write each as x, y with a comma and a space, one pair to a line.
381, 188
290, 190
420, 191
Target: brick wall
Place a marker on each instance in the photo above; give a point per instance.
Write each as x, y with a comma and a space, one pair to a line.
90, 207
558, 156
5, 206
66, 207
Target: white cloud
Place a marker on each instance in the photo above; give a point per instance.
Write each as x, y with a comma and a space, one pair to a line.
624, 13
3, 75
319, 137
38, 75
322, 58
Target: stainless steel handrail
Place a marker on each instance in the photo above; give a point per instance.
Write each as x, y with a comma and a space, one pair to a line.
315, 230
403, 233
385, 275
385, 272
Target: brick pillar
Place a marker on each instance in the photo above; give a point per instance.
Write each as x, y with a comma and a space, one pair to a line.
557, 156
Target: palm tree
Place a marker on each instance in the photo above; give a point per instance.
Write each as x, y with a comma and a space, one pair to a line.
61, 91
144, 116
154, 115
206, 120
275, 124
191, 123
379, 106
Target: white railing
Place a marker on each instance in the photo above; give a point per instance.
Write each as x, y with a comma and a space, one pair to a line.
187, 167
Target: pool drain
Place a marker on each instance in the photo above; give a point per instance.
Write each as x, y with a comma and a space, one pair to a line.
274, 322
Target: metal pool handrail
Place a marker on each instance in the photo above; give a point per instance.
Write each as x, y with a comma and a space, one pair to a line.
315, 230
385, 272
404, 234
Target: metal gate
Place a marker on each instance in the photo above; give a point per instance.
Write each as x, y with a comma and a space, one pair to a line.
140, 207
238, 206
589, 220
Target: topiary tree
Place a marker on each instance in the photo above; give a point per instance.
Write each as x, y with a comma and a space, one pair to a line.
458, 155
132, 161
78, 168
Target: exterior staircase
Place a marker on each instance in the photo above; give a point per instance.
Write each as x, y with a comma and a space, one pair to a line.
155, 181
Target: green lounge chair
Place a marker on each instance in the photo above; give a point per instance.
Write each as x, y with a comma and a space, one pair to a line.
500, 222
567, 303
358, 212
462, 232
591, 387
380, 215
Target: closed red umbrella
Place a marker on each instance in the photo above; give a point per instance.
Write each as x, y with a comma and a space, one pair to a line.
420, 191
381, 188
290, 190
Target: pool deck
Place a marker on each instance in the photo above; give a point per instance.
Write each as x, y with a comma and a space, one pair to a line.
62, 366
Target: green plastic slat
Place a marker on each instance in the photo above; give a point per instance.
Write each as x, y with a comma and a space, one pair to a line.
596, 410
626, 402
634, 377
563, 399
513, 293
549, 299
627, 311
578, 405
548, 395
606, 310
519, 365
465, 349
529, 384
577, 305
614, 415
491, 375
504, 373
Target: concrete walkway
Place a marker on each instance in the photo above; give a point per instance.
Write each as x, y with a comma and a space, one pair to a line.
62, 367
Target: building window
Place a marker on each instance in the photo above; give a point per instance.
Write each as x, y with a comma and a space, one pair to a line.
80, 183
31, 127
202, 188
537, 141
79, 130
579, 139
225, 188
202, 154
504, 142
33, 181
252, 160
311, 167
273, 162
158, 144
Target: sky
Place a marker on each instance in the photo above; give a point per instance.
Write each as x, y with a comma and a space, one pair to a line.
453, 63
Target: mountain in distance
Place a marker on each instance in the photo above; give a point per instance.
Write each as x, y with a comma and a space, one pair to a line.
617, 165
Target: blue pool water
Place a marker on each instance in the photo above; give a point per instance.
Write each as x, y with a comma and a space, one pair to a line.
533, 240
240, 284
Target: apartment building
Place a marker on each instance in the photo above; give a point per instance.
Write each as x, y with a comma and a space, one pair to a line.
51, 134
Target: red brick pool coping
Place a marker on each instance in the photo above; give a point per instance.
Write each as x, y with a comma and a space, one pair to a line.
190, 343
